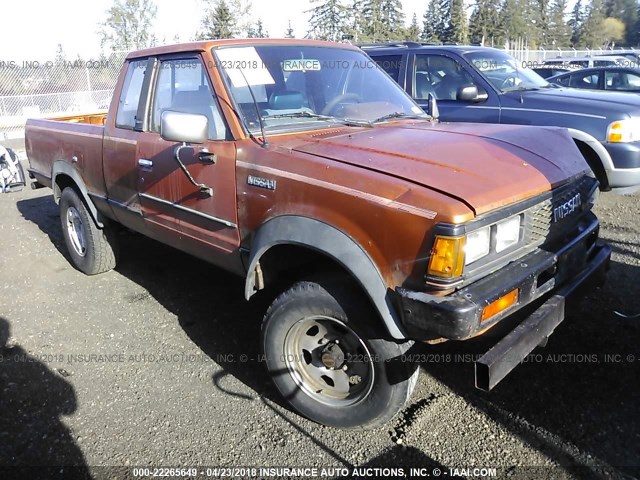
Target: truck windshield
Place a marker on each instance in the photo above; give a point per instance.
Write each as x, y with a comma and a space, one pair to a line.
301, 87
505, 72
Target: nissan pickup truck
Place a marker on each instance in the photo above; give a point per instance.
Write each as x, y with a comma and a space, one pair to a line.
302, 167
482, 84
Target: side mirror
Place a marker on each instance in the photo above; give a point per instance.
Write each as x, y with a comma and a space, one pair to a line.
184, 127
432, 107
471, 93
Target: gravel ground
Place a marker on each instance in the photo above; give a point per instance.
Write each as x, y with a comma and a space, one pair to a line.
156, 364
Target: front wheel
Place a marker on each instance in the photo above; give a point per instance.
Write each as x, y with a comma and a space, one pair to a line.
92, 250
328, 361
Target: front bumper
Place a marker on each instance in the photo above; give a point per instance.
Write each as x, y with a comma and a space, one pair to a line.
626, 165
458, 316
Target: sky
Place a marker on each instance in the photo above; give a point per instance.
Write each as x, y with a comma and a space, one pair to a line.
32, 29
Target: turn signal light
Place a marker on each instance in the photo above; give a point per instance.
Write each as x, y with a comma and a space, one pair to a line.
500, 304
447, 257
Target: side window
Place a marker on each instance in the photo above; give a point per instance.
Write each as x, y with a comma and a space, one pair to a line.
563, 80
621, 81
390, 64
130, 95
439, 75
183, 86
584, 80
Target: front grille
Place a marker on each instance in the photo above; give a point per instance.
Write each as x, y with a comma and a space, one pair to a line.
540, 227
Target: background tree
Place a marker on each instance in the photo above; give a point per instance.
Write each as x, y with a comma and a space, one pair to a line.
128, 25
241, 13
512, 25
217, 22
289, 32
576, 21
457, 31
328, 20
613, 30
559, 31
483, 22
413, 32
592, 33
434, 23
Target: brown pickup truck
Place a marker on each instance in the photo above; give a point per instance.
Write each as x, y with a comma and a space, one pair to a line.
303, 167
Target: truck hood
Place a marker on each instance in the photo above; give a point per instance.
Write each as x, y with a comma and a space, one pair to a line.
484, 166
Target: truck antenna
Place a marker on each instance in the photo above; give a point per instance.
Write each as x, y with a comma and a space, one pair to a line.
265, 143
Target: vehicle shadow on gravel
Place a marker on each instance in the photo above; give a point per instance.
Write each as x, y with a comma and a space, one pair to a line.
208, 302
32, 401
210, 307
43, 211
575, 400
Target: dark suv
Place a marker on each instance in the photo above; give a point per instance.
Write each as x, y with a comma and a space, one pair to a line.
481, 84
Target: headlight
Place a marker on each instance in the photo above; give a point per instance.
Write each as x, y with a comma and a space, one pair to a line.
507, 233
478, 245
451, 254
623, 131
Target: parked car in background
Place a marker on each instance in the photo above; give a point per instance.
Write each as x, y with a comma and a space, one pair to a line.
585, 62
546, 71
481, 84
631, 55
616, 79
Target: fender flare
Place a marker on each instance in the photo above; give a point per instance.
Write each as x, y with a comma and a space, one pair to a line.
60, 167
596, 145
328, 240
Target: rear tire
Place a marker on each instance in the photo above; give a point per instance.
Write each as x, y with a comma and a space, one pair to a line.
92, 250
328, 361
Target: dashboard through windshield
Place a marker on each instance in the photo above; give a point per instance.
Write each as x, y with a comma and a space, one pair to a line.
289, 87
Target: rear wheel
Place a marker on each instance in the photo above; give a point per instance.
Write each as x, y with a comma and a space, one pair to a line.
92, 250
328, 361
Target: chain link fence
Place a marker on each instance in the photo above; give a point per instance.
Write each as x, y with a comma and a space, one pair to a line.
32, 89
540, 55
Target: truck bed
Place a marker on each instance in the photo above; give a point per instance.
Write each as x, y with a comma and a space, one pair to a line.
71, 139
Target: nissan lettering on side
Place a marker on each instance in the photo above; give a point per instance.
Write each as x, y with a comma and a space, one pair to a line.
370, 228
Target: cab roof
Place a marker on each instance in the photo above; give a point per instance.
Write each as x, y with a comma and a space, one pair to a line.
208, 44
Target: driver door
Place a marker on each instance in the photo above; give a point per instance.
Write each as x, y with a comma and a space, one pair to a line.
170, 202
441, 76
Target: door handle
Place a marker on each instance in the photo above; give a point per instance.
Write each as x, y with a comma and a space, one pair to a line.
143, 162
205, 156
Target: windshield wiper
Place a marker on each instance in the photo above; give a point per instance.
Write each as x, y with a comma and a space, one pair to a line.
347, 121
393, 115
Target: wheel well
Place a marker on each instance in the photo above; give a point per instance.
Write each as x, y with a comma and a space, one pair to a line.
289, 263
593, 160
283, 265
63, 181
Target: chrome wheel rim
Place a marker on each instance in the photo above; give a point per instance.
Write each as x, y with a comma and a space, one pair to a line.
328, 361
75, 230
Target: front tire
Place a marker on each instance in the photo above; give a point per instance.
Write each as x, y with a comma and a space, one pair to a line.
92, 250
328, 361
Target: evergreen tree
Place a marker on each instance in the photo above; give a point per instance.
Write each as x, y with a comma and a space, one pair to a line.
261, 32
392, 20
512, 25
592, 34
457, 29
328, 20
218, 21
128, 25
559, 32
435, 23
289, 32
575, 23
413, 32
483, 22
